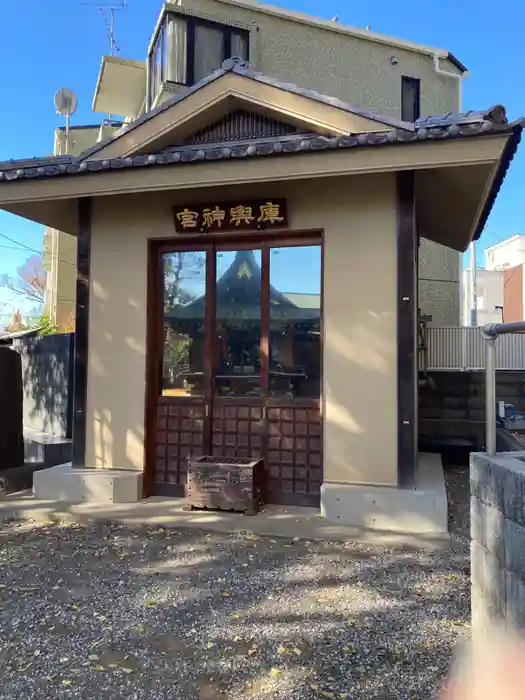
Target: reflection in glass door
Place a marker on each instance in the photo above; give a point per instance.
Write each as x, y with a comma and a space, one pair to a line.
184, 304
295, 322
237, 364
294, 446
238, 324
182, 408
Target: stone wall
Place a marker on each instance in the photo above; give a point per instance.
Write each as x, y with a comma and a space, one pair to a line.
497, 486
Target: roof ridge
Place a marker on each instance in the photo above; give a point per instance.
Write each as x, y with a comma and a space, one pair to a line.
497, 114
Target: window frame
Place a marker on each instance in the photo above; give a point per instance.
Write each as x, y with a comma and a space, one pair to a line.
228, 31
411, 82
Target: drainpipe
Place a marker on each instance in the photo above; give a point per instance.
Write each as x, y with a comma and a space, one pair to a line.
490, 393
459, 77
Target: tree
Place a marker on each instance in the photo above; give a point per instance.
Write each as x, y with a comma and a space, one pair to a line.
30, 280
180, 268
181, 271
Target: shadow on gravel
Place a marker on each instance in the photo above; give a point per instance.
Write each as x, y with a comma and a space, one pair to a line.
115, 612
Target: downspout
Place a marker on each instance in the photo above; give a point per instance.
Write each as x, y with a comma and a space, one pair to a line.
448, 74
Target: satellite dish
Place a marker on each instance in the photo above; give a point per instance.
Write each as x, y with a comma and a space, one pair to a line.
66, 102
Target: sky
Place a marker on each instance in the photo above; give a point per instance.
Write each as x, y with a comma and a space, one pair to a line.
49, 44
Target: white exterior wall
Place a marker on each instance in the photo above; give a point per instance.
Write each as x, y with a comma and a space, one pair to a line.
489, 284
508, 253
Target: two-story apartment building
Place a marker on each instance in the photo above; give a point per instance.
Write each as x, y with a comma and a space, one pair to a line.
192, 38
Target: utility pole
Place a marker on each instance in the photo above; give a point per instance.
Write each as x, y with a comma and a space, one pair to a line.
473, 285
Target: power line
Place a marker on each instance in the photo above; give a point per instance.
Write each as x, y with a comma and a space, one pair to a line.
32, 250
22, 245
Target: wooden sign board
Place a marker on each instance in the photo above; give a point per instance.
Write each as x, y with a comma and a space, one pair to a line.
231, 216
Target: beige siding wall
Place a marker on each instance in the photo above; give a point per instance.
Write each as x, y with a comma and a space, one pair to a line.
359, 313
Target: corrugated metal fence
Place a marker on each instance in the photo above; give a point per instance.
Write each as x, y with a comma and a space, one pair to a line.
463, 348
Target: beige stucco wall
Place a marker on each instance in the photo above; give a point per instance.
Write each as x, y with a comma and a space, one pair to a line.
360, 386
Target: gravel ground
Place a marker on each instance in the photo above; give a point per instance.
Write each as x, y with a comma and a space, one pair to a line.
106, 611
458, 493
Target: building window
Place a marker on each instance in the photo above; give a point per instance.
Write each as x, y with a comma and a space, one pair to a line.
187, 49
410, 99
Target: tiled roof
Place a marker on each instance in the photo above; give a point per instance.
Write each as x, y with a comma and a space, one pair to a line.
430, 129
34, 162
496, 115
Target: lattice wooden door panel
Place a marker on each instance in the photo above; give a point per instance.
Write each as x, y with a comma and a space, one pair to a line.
237, 431
294, 455
179, 433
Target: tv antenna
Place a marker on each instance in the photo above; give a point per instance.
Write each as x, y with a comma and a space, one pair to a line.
66, 104
107, 10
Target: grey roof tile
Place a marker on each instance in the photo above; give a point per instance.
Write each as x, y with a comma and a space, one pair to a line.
495, 115
435, 128
34, 162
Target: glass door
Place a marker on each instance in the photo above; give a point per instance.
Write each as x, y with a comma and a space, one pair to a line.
293, 454
238, 364
182, 411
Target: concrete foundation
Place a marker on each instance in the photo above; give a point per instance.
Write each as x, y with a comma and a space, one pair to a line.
420, 510
291, 522
76, 485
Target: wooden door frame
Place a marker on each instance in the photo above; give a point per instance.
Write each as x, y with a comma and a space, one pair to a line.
211, 243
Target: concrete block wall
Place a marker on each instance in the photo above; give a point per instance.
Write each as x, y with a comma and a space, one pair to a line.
453, 406
439, 281
497, 506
